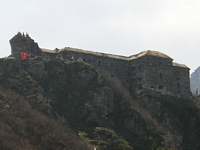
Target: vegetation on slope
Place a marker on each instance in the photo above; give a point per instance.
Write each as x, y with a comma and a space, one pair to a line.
95, 105
23, 128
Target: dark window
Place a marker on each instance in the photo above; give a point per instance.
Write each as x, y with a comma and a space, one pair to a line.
139, 68
160, 87
133, 68
178, 85
111, 64
84, 59
160, 75
159, 64
139, 79
112, 74
99, 62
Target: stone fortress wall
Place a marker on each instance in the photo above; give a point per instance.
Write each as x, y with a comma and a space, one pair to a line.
148, 69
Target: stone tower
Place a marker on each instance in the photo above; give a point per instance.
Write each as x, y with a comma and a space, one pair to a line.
23, 43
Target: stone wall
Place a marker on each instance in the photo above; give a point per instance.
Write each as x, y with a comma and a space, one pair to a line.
181, 81
159, 73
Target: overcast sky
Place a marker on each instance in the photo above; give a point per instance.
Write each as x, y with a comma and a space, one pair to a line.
122, 27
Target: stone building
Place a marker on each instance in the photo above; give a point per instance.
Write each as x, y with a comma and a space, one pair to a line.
146, 70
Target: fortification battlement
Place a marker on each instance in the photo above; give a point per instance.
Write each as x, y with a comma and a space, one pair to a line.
146, 70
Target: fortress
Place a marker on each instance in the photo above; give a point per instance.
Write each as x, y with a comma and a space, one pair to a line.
146, 70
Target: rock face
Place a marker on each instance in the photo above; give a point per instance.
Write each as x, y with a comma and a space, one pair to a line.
195, 81
23, 43
99, 106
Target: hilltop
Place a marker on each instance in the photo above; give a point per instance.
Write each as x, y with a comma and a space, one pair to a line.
95, 106
147, 70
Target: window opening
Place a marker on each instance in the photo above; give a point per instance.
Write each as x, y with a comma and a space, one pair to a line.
159, 64
160, 75
178, 85
160, 87
84, 59
99, 62
139, 79
111, 64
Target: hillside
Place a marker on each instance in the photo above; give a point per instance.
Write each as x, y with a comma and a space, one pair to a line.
94, 105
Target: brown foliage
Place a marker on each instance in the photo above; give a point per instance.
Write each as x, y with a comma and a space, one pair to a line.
23, 128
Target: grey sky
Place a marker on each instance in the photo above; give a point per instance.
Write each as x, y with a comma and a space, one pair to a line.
122, 27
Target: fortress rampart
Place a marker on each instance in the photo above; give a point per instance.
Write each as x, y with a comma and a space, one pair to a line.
148, 69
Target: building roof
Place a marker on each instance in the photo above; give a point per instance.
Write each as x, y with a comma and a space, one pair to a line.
132, 57
150, 53
179, 65
47, 50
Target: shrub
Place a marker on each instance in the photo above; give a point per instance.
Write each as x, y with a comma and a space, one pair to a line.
23, 128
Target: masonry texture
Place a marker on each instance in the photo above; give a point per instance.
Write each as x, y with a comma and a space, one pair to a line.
146, 70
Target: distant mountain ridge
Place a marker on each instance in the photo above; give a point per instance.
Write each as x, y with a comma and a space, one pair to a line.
195, 81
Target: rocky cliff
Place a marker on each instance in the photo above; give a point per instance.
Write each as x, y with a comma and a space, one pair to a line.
99, 109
